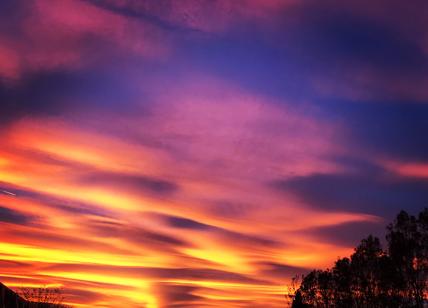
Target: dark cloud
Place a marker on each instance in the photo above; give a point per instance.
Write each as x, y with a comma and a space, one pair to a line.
72, 207
363, 186
31, 96
236, 238
327, 34
279, 271
155, 240
142, 11
142, 183
380, 194
326, 42
175, 295
39, 93
83, 296
7, 189
14, 217
394, 129
348, 234
7, 264
226, 235
356, 165
184, 223
62, 92
143, 236
355, 47
12, 13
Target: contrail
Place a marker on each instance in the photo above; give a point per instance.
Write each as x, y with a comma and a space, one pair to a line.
7, 193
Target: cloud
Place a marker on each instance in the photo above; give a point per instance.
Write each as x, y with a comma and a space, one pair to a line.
336, 34
280, 272
60, 91
348, 234
178, 222
53, 202
57, 239
190, 15
147, 239
5, 264
200, 153
147, 184
174, 295
37, 94
329, 50
77, 295
389, 130
14, 217
379, 194
162, 190
352, 52
187, 273
67, 35
227, 236
143, 236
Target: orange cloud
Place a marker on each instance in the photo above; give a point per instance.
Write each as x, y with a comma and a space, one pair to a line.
197, 207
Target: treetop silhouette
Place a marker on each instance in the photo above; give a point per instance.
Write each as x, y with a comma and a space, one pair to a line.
373, 277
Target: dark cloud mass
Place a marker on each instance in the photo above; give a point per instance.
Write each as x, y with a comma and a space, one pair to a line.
336, 35
136, 182
280, 271
349, 234
379, 194
175, 295
14, 217
58, 92
396, 129
185, 223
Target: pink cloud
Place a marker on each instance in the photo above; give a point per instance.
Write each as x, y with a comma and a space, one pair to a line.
207, 16
69, 34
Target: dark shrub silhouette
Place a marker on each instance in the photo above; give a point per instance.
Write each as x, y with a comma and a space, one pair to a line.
43, 297
31, 298
373, 277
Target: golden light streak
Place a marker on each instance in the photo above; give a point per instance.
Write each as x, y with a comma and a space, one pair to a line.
27, 253
123, 227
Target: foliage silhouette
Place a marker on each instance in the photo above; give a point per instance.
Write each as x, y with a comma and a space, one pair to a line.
31, 298
43, 297
373, 277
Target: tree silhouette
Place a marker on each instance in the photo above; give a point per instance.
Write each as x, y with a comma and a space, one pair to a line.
408, 248
43, 297
373, 277
298, 301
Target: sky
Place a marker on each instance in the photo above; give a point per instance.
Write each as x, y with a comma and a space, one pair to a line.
200, 153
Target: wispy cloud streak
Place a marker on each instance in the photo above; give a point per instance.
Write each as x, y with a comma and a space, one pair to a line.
201, 153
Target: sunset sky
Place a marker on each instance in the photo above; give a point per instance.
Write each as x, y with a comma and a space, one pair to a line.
200, 153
